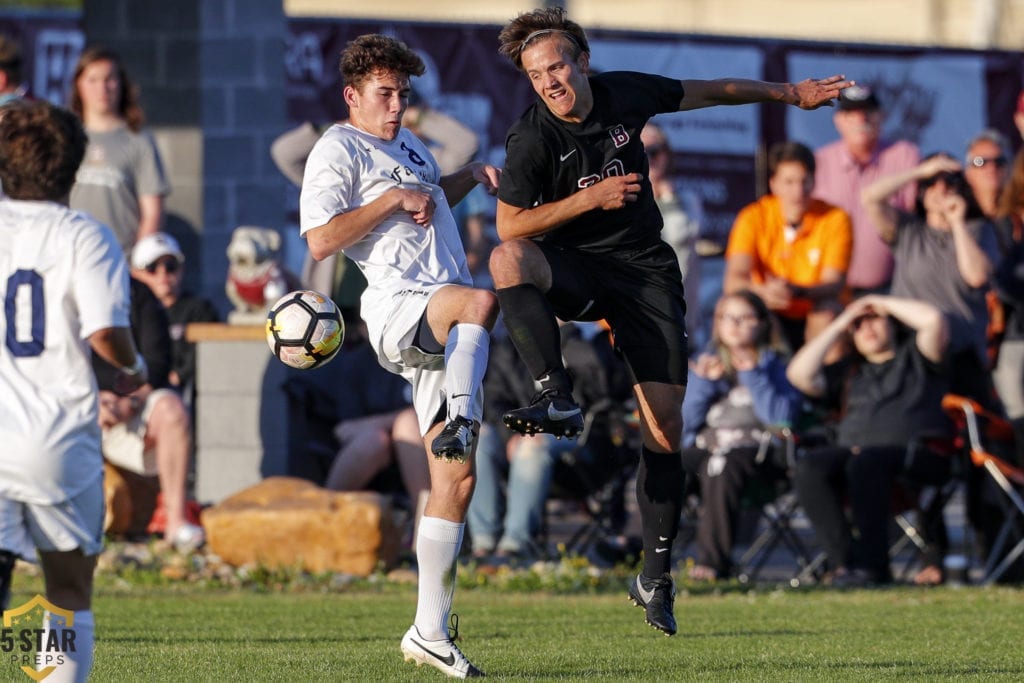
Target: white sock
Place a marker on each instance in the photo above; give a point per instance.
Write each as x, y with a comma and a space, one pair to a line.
437, 547
77, 662
465, 362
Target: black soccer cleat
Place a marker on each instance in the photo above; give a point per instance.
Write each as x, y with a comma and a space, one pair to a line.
552, 412
455, 440
656, 596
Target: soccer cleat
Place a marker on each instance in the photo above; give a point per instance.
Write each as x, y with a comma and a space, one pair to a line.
443, 655
188, 538
656, 596
455, 440
552, 412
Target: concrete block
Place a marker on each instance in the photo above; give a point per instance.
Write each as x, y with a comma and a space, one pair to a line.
215, 108
179, 59
163, 17
232, 368
261, 203
258, 107
221, 472
167, 105
228, 61
229, 156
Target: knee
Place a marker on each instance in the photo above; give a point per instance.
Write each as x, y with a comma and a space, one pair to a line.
483, 307
168, 413
508, 263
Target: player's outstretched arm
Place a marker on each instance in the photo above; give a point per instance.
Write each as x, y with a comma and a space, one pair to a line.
807, 94
347, 228
457, 185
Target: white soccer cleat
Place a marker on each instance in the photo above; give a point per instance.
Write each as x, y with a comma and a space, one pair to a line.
443, 655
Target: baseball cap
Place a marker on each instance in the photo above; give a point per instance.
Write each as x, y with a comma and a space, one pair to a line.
858, 97
155, 246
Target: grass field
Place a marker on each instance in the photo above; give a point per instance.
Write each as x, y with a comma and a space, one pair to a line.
169, 633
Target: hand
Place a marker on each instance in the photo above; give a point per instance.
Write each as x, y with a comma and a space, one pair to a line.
871, 303
954, 209
488, 176
708, 366
819, 92
743, 359
937, 164
776, 293
115, 409
419, 204
616, 191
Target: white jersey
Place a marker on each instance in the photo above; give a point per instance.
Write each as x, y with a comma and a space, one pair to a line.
349, 168
62, 278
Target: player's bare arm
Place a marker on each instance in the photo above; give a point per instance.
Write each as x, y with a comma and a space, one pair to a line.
609, 194
807, 94
345, 229
116, 346
457, 185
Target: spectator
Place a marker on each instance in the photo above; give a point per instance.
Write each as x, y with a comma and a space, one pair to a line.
148, 431
848, 165
789, 249
735, 393
985, 168
10, 71
158, 261
51, 466
529, 462
945, 254
1018, 115
681, 212
1009, 284
888, 394
121, 182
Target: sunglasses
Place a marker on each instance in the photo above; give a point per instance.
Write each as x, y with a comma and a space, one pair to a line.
982, 162
170, 265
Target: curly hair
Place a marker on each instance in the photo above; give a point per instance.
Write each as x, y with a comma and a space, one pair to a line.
128, 107
374, 53
41, 147
527, 27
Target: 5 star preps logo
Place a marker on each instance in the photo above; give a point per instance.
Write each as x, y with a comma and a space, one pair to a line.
24, 642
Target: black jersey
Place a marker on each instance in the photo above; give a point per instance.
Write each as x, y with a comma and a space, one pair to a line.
548, 159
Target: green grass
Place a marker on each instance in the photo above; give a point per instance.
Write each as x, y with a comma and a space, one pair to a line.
172, 633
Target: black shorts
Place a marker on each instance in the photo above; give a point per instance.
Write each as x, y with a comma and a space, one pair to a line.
639, 293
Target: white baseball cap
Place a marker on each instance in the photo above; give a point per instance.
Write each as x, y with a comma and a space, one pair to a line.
153, 247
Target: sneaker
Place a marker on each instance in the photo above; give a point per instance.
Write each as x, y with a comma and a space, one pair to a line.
455, 440
552, 412
443, 655
656, 597
187, 538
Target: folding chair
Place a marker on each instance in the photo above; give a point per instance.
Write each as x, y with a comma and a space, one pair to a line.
596, 484
779, 508
985, 433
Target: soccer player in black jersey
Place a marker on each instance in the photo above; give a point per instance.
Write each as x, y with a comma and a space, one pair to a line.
581, 240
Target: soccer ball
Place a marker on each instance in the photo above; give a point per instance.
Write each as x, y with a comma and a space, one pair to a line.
304, 329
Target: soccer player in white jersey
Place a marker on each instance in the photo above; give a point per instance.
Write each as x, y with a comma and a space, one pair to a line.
64, 283
373, 189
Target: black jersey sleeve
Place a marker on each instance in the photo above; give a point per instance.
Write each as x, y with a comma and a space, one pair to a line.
527, 165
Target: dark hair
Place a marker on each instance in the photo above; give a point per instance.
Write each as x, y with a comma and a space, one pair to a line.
528, 26
41, 147
128, 107
782, 152
10, 58
955, 181
374, 53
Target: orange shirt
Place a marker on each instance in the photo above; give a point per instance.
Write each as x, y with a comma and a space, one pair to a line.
823, 240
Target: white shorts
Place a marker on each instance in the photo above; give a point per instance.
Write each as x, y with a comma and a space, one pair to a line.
407, 348
74, 523
124, 444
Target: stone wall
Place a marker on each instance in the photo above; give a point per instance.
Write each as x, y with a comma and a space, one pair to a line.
211, 74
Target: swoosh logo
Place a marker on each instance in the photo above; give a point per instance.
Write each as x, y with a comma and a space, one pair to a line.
660, 550
449, 660
645, 594
556, 414
563, 157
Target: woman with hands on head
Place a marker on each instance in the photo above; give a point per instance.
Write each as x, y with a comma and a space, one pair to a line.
888, 394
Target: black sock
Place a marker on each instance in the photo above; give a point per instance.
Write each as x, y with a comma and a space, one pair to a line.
533, 330
6, 571
659, 494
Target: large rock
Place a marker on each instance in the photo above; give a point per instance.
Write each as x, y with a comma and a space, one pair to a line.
288, 522
130, 500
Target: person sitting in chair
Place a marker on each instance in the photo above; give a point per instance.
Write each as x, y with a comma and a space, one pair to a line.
888, 394
734, 393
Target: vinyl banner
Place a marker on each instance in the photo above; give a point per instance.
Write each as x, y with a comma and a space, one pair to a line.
937, 101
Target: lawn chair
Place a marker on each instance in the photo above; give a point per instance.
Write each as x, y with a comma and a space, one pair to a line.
990, 442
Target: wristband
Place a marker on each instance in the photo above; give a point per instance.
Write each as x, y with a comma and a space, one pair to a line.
139, 368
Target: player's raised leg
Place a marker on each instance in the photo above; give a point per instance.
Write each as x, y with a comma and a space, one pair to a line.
522, 276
